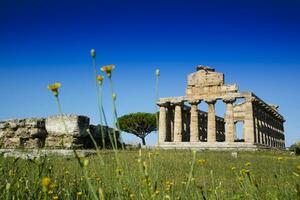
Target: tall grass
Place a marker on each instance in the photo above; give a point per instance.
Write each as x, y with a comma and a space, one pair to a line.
150, 174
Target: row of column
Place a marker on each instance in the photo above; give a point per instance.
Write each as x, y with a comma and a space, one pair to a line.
269, 131
194, 121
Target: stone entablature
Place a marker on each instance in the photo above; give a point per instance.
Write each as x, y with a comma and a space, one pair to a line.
54, 132
181, 121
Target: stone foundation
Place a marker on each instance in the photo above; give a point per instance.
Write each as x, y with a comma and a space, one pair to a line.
54, 132
216, 146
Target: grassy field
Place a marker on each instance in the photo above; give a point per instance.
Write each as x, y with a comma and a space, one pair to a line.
153, 174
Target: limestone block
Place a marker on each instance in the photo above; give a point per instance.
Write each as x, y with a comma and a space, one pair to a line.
3, 125
38, 132
35, 122
11, 142
65, 142
206, 78
7, 133
22, 132
229, 88
76, 125
194, 91
31, 143
13, 124
2, 133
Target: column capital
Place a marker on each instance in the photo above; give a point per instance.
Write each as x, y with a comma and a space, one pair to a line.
177, 103
210, 101
194, 101
229, 100
163, 104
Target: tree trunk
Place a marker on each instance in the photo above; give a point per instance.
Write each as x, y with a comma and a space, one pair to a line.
143, 140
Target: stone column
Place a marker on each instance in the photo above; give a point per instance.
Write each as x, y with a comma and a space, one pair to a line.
162, 128
178, 122
170, 119
194, 124
258, 139
229, 120
211, 121
249, 121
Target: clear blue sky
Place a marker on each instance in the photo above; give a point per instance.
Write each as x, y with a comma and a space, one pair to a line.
255, 43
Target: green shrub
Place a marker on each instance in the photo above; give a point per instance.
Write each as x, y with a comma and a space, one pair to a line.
295, 148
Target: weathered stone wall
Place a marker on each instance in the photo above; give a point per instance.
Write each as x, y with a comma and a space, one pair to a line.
54, 132
27, 133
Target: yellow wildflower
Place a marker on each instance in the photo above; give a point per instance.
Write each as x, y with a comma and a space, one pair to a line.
53, 185
245, 171
85, 162
107, 69
98, 178
248, 164
46, 181
99, 78
280, 158
50, 192
167, 197
79, 193
233, 168
54, 88
201, 162
55, 197
169, 183
156, 192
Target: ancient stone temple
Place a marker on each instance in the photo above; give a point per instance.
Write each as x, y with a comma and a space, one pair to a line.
183, 125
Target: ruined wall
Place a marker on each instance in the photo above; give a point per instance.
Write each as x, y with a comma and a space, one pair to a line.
27, 133
58, 132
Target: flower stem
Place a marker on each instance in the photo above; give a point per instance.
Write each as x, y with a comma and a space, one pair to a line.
74, 151
100, 114
156, 99
114, 110
99, 101
191, 171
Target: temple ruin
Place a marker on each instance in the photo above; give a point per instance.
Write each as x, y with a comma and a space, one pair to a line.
183, 125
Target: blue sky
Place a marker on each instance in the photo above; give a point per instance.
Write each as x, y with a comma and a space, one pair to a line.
256, 44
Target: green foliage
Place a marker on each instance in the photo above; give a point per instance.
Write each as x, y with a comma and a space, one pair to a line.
140, 124
295, 148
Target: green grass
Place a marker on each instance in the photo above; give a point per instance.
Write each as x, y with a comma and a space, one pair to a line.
155, 174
